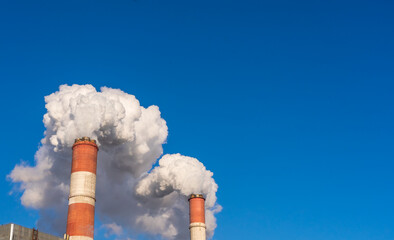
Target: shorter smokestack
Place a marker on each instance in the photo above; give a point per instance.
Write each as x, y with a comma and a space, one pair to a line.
197, 217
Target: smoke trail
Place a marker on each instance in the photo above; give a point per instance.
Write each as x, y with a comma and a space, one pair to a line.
179, 175
130, 138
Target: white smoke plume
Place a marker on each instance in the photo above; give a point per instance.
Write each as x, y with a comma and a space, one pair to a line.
132, 198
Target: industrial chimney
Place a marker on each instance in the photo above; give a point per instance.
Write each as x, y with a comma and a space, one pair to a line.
80, 219
197, 217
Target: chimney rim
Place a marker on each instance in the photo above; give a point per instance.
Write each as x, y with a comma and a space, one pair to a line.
85, 140
196, 196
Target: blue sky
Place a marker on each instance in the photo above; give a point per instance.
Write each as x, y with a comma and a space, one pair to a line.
289, 103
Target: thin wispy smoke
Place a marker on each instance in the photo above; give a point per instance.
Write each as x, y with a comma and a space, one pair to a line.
132, 198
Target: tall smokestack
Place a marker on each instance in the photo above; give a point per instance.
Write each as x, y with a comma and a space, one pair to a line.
197, 217
80, 219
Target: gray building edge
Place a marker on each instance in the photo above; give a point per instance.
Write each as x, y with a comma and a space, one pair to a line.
14, 231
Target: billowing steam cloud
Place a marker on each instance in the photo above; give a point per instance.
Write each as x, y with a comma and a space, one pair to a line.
132, 197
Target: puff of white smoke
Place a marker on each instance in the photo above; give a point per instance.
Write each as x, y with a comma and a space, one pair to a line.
113, 229
130, 138
182, 175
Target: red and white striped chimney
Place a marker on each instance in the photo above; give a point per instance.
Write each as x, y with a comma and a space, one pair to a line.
197, 217
80, 219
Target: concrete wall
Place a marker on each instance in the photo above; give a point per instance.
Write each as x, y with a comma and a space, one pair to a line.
16, 232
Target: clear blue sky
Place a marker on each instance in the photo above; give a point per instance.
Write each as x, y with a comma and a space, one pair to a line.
289, 103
